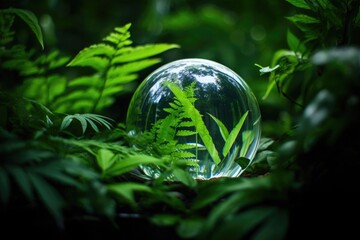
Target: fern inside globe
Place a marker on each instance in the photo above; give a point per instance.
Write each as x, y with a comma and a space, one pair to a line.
199, 111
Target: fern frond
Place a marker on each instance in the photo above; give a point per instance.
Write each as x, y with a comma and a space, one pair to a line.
184, 133
189, 111
115, 63
28, 17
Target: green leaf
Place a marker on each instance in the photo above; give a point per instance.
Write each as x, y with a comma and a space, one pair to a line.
294, 43
223, 130
185, 133
144, 51
233, 134
56, 170
190, 228
105, 159
303, 19
127, 189
82, 121
243, 162
247, 139
66, 122
165, 219
299, 3
49, 196
31, 20
196, 118
184, 177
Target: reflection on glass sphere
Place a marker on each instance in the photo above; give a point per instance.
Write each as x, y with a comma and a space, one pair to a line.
199, 111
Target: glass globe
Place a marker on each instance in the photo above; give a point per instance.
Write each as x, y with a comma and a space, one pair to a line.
198, 111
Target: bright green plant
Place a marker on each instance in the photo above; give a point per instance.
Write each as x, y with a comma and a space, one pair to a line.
44, 151
183, 120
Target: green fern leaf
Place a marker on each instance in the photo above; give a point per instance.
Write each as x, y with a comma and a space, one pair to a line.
86, 118
191, 112
185, 133
116, 64
31, 20
131, 67
183, 154
299, 3
142, 52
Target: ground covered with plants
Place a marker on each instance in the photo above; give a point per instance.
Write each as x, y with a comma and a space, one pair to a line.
66, 159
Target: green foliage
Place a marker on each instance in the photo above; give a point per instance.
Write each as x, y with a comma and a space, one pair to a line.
115, 63
27, 16
61, 155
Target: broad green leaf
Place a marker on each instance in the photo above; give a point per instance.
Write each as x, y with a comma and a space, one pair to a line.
105, 159
196, 118
299, 3
127, 189
184, 177
144, 51
223, 130
233, 134
49, 196
294, 43
31, 20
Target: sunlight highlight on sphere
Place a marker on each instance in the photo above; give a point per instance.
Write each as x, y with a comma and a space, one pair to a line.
198, 111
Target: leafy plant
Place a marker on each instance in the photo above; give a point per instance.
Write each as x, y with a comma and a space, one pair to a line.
184, 120
61, 159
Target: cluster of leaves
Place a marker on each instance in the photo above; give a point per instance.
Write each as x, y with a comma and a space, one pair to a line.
56, 152
83, 168
184, 120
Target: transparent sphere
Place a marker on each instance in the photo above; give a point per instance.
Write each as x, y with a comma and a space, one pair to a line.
198, 111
